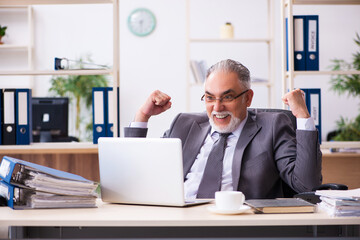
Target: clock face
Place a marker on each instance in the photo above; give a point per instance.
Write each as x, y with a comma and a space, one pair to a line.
141, 22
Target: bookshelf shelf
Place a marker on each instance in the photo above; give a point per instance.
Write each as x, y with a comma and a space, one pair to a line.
241, 40
56, 72
48, 2
50, 148
299, 73
326, 2
14, 47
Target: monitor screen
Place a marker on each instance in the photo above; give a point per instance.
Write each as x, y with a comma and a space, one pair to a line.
50, 119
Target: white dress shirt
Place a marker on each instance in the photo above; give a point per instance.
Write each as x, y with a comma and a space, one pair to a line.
193, 178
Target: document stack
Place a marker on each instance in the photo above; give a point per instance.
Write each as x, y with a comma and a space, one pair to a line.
340, 203
29, 185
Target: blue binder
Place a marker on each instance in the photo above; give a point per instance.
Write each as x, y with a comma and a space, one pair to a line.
16, 197
110, 111
1, 115
299, 43
23, 116
8, 124
312, 43
313, 103
7, 191
11, 169
99, 107
109, 103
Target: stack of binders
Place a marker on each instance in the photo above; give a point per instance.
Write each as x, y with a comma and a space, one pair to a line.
306, 42
340, 203
16, 117
28, 185
102, 106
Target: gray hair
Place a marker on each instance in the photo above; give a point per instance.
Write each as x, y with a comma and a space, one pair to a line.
229, 66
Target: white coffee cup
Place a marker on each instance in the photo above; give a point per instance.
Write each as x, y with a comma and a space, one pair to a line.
229, 200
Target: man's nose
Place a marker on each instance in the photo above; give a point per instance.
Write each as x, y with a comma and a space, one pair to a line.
218, 105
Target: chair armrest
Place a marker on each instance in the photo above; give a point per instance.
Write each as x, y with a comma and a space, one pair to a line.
331, 186
313, 198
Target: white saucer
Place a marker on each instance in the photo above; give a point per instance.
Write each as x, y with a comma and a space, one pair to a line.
242, 209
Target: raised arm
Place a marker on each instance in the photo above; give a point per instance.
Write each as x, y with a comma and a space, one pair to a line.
155, 104
296, 101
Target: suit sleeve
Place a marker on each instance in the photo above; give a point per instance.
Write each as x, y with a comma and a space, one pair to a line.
298, 160
135, 132
142, 132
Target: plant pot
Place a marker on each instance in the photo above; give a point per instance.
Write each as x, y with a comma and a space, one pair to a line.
0, 40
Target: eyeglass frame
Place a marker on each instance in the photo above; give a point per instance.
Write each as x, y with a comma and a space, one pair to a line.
222, 98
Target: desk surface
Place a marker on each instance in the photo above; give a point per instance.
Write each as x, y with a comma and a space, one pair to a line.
152, 216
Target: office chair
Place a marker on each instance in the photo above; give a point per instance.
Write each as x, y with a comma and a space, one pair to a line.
288, 191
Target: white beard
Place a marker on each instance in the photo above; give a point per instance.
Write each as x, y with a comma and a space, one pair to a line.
233, 124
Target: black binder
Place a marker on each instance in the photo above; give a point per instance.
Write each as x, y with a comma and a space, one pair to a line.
8, 126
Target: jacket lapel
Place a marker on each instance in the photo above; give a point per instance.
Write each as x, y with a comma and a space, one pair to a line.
195, 140
248, 133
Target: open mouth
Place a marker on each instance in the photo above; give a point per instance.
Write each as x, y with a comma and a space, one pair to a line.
221, 116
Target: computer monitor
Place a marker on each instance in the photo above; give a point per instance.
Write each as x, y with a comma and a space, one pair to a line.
50, 117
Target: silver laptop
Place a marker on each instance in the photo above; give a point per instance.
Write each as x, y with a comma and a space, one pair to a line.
145, 171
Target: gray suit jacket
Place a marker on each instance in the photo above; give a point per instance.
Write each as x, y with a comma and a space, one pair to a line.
268, 152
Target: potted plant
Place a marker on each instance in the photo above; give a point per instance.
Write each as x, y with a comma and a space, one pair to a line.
348, 130
2, 32
79, 90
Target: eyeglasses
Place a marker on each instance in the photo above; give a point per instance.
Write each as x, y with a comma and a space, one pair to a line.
225, 98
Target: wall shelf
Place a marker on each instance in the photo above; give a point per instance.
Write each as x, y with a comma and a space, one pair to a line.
55, 72
50, 148
14, 47
299, 73
49, 2
244, 40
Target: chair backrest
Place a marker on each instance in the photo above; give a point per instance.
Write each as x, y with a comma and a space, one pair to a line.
288, 191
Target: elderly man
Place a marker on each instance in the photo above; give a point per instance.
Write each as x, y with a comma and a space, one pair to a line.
232, 148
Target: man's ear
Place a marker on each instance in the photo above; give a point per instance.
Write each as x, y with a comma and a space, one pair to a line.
249, 96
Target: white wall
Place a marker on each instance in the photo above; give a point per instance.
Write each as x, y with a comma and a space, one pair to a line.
158, 61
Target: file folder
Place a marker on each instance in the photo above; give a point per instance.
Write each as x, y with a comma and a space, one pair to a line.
99, 99
23, 116
25, 198
313, 103
312, 43
1, 114
299, 43
110, 112
15, 196
8, 126
23, 174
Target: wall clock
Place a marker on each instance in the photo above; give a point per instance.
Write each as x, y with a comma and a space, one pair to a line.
141, 22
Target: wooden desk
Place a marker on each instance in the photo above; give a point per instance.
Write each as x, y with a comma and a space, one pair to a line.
148, 218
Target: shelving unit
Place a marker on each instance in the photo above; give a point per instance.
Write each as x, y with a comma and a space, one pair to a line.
27, 46
288, 77
270, 48
35, 72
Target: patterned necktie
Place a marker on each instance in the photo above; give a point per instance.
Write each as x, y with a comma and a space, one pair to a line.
211, 180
